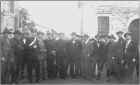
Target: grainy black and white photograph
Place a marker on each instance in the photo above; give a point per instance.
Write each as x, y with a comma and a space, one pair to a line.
69, 42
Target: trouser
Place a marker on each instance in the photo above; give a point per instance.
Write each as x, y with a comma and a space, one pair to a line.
62, 70
91, 68
8, 73
33, 65
52, 70
16, 73
75, 70
137, 69
43, 68
72, 70
43, 65
4, 73
98, 69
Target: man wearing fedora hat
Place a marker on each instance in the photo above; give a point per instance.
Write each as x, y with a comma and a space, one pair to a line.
17, 46
116, 51
130, 55
120, 36
8, 56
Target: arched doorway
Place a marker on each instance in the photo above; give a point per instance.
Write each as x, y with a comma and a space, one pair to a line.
134, 27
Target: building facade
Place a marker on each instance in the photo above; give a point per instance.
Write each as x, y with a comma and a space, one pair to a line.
7, 15
115, 18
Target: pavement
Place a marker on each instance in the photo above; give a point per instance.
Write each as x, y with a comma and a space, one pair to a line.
77, 81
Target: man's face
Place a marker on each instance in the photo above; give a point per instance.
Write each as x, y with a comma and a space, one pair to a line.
102, 39
128, 37
120, 35
40, 36
10, 36
17, 36
73, 36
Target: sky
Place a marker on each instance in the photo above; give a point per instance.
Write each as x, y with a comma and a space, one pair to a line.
65, 16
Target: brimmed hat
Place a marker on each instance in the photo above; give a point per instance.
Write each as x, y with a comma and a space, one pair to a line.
17, 32
73, 34
128, 33
103, 36
91, 39
98, 35
6, 31
111, 37
119, 32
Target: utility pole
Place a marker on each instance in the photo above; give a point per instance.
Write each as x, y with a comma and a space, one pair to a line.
80, 5
12, 6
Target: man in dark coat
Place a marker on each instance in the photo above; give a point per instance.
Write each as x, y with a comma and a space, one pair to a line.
42, 56
8, 56
70, 58
71, 53
77, 55
120, 45
51, 62
61, 57
17, 46
100, 55
31, 56
50, 45
130, 56
115, 57
112, 60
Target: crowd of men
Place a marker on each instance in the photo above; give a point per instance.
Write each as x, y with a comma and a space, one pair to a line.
32, 56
